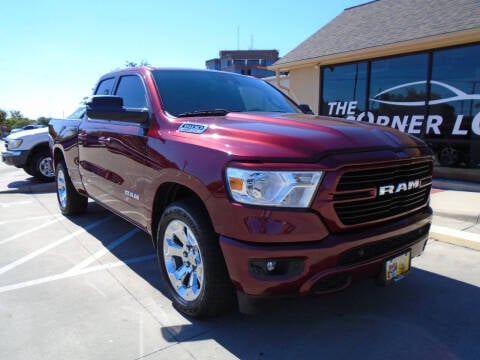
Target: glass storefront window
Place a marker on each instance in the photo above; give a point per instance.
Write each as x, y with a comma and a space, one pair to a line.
400, 79
398, 89
344, 90
434, 95
455, 99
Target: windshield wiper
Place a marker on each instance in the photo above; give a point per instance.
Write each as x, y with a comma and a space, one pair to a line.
214, 112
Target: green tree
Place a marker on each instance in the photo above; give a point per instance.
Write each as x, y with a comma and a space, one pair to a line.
42, 120
3, 116
16, 114
129, 63
17, 120
3, 123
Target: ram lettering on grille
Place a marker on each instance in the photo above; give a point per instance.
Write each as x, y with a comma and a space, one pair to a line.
400, 187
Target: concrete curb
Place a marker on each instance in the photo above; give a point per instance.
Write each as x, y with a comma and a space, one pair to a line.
462, 216
445, 184
455, 237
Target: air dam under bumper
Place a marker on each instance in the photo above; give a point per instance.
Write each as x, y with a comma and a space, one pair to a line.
331, 264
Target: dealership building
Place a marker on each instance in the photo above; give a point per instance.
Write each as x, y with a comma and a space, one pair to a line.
413, 65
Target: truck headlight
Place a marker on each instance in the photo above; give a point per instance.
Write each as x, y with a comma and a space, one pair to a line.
294, 189
14, 143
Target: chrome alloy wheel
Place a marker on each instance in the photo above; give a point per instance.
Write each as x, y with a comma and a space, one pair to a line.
183, 260
61, 189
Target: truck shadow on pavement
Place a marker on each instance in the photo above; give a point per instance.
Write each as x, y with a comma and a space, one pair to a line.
425, 316
137, 252
29, 186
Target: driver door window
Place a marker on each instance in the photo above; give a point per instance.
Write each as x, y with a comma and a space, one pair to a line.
131, 89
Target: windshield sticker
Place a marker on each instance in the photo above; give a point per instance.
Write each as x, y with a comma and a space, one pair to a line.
193, 128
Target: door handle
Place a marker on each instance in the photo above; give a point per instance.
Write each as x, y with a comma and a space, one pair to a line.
104, 140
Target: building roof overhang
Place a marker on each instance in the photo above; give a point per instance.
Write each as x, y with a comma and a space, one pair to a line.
410, 46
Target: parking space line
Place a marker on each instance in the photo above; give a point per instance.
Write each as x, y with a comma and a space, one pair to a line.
44, 249
31, 218
26, 232
69, 273
104, 250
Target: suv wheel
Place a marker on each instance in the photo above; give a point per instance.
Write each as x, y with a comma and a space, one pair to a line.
41, 166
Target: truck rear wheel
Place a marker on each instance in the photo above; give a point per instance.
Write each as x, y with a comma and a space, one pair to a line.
191, 262
69, 200
41, 166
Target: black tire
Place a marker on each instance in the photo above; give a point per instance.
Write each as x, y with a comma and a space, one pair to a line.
449, 156
69, 200
29, 171
191, 262
40, 166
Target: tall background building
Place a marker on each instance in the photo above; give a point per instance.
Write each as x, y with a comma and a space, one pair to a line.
246, 62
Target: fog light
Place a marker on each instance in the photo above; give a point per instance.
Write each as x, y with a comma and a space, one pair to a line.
271, 265
271, 268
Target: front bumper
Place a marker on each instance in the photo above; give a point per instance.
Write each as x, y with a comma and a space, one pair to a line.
323, 266
16, 158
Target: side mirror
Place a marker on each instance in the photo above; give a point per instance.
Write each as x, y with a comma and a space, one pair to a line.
108, 107
305, 109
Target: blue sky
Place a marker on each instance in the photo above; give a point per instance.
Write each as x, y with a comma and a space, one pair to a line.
53, 51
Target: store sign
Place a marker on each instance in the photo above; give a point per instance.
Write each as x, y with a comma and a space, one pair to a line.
412, 124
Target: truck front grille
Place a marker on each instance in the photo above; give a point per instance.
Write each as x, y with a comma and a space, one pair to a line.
371, 195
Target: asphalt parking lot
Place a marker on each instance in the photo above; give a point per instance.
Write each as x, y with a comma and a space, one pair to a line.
88, 287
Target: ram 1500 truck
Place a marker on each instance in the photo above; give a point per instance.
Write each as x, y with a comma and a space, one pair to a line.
243, 193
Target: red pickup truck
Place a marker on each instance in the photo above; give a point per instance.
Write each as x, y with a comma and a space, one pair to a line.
243, 193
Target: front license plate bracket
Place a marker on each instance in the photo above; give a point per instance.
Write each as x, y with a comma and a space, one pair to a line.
395, 268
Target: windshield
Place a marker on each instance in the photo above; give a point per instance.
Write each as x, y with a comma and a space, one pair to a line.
77, 114
190, 92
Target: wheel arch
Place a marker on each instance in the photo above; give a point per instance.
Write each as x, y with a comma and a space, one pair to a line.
36, 149
57, 156
168, 193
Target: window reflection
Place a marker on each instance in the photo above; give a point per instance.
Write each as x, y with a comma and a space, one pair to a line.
433, 95
344, 84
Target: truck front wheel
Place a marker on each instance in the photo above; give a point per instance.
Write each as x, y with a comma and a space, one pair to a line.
191, 261
69, 200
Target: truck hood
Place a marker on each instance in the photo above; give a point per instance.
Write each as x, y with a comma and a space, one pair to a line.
298, 136
40, 132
